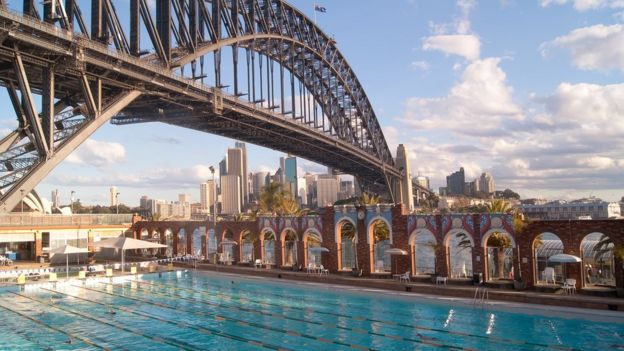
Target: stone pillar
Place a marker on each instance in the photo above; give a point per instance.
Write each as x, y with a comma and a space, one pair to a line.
38, 245
363, 248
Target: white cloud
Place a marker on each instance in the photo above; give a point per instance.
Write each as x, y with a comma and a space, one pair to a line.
482, 94
455, 38
97, 153
420, 65
598, 47
585, 5
466, 45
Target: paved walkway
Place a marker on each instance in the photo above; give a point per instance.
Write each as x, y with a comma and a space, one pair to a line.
461, 291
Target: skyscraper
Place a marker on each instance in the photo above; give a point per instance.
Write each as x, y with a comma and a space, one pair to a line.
290, 175
206, 196
326, 190
235, 167
422, 181
56, 199
456, 183
184, 198
230, 194
486, 183
113, 196
259, 182
245, 174
402, 162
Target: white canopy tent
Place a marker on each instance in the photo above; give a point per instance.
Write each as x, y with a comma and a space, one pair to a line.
67, 250
124, 244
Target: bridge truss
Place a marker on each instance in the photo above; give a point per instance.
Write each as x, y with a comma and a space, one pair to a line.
253, 70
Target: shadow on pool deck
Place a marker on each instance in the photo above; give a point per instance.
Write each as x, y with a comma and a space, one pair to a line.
461, 291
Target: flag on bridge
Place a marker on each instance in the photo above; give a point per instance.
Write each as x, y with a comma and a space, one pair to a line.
320, 8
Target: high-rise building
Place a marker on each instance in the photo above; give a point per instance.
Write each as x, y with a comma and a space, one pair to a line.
282, 167
302, 191
456, 183
206, 196
422, 181
290, 175
245, 174
311, 190
402, 162
486, 183
346, 190
235, 167
259, 182
326, 190
56, 198
113, 196
223, 167
184, 198
230, 194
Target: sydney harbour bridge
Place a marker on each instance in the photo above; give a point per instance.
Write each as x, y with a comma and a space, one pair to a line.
259, 71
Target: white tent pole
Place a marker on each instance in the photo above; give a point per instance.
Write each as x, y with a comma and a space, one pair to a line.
122, 260
67, 266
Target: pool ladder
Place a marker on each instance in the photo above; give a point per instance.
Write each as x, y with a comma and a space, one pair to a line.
481, 297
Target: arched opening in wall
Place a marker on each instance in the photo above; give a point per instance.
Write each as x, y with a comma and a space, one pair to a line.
313, 246
598, 260
227, 247
424, 247
547, 272
198, 239
182, 247
212, 243
347, 237
268, 247
380, 234
155, 239
169, 242
144, 236
499, 255
247, 246
459, 248
289, 248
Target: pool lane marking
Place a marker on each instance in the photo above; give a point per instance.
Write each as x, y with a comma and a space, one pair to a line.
27, 337
236, 320
36, 321
361, 318
207, 330
175, 343
276, 315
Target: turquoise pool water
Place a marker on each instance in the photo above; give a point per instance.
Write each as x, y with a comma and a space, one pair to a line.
204, 311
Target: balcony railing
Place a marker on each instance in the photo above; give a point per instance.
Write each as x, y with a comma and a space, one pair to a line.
28, 219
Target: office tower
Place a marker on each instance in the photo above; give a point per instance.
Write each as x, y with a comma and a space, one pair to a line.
326, 190
406, 191
346, 190
302, 191
422, 181
282, 167
230, 194
206, 196
223, 167
56, 200
486, 183
290, 175
184, 198
456, 183
235, 167
113, 196
259, 182
245, 174
311, 190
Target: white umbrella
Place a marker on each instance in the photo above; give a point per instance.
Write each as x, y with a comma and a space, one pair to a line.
228, 242
66, 250
124, 244
318, 249
395, 251
564, 258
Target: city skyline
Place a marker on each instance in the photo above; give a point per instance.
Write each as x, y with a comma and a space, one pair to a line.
461, 62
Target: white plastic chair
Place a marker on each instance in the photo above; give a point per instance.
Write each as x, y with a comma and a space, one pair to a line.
405, 277
258, 263
549, 274
323, 270
569, 286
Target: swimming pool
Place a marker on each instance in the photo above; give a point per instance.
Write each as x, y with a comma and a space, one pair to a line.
208, 311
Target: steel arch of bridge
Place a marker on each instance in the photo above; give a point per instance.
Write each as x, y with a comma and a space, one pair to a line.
88, 74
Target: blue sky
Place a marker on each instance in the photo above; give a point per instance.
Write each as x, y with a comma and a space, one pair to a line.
529, 90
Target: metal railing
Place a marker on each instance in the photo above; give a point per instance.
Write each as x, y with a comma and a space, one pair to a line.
28, 219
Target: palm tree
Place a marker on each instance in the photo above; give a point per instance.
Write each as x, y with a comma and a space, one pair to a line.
271, 197
499, 206
501, 242
290, 207
368, 199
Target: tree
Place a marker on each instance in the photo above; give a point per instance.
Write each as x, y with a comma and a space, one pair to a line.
381, 231
501, 242
499, 206
507, 194
271, 197
368, 199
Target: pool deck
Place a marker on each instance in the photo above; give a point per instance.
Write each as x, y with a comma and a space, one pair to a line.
450, 290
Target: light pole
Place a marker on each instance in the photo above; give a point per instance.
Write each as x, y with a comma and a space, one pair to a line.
72, 201
214, 206
22, 193
117, 202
